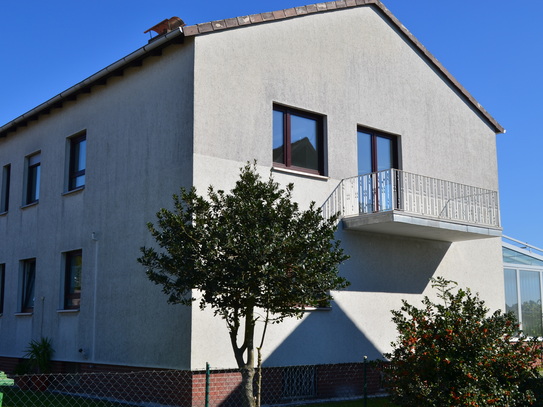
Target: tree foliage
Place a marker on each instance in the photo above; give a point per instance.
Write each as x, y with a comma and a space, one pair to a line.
252, 249
455, 353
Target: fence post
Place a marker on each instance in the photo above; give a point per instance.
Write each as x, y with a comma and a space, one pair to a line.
365, 381
207, 384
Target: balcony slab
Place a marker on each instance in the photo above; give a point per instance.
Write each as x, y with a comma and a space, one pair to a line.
402, 224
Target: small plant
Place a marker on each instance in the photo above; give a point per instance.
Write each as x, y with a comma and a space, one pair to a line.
39, 354
455, 353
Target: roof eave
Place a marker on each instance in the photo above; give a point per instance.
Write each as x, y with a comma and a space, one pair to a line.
85, 85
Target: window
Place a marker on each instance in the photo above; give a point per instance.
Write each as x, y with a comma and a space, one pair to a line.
2, 284
33, 179
28, 284
78, 148
377, 155
523, 298
298, 140
4, 199
72, 280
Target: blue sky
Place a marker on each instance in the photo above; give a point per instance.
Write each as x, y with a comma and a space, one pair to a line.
494, 48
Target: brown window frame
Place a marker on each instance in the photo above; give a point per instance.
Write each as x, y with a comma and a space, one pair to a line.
27, 288
33, 178
288, 112
6, 179
74, 173
2, 286
71, 296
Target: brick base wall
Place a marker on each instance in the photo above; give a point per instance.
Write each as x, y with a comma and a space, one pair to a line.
280, 385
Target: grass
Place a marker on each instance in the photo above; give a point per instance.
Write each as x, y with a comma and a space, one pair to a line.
372, 402
17, 398
14, 397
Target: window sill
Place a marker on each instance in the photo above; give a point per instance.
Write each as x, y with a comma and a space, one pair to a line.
73, 191
24, 314
3, 213
300, 173
68, 311
30, 204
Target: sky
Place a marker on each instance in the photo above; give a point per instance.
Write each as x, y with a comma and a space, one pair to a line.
494, 48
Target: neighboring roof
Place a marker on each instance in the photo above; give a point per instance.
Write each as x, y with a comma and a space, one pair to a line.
177, 35
518, 253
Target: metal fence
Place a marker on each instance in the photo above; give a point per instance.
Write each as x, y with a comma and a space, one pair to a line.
212, 387
414, 194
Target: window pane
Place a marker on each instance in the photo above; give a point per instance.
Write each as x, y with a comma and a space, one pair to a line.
6, 175
385, 154
511, 292
304, 142
72, 295
530, 294
33, 180
278, 137
364, 153
2, 282
29, 278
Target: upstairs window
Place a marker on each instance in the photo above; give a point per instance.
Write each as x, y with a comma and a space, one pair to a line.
33, 179
2, 283
72, 280
4, 198
298, 140
78, 152
28, 284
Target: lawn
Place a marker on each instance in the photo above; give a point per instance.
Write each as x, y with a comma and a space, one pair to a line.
372, 402
16, 398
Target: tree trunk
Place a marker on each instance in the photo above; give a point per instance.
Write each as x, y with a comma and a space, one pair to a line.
247, 393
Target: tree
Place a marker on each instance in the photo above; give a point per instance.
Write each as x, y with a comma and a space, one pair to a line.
455, 353
247, 251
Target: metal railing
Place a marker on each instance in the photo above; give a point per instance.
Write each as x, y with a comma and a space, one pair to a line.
414, 194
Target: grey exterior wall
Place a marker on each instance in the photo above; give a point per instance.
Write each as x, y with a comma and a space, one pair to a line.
354, 68
139, 152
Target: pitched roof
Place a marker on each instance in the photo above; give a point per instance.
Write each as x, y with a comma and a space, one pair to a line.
177, 35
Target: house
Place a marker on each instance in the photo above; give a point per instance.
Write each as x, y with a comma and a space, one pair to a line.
338, 98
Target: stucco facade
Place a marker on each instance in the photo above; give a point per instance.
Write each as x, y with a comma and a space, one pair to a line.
192, 116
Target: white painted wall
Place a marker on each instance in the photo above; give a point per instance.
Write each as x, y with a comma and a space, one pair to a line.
139, 152
353, 67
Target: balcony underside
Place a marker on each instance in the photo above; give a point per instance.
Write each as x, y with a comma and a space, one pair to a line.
401, 224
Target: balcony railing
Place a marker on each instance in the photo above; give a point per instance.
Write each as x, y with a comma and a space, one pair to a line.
415, 195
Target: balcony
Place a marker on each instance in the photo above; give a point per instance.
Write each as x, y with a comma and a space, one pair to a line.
400, 203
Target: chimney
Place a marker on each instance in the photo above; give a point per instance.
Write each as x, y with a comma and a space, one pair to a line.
165, 27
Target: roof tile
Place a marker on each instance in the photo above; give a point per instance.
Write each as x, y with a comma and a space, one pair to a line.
268, 16
256, 18
219, 24
279, 14
301, 10
351, 3
190, 30
290, 12
340, 4
311, 8
331, 5
244, 20
205, 27
321, 6
231, 22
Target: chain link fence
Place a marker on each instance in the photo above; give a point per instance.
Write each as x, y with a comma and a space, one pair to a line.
202, 388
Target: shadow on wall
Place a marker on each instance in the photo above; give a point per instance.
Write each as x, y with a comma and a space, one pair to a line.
323, 336
392, 264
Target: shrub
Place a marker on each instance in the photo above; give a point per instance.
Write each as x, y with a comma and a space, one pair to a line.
455, 353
